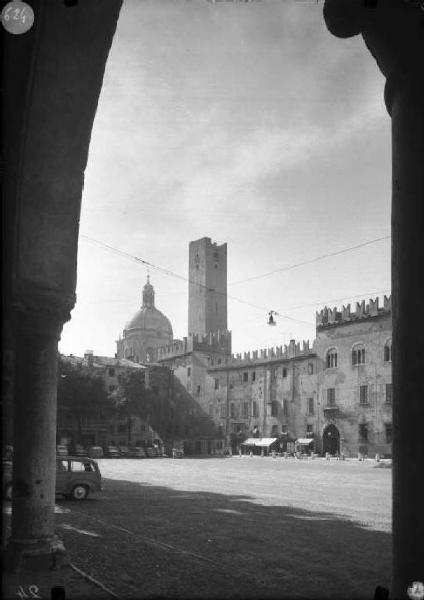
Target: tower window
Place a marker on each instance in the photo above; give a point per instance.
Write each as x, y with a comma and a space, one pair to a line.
217, 384
254, 376
245, 376
389, 393
284, 372
311, 406
388, 351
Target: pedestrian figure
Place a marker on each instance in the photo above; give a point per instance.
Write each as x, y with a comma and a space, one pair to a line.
251, 454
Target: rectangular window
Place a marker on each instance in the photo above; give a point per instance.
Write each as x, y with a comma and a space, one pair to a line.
284, 372
274, 430
217, 384
309, 430
274, 372
188, 371
232, 410
274, 409
310, 406
198, 390
389, 433
331, 397
363, 394
254, 409
363, 432
254, 376
285, 407
310, 369
389, 393
111, 372
284, 428
245, 376
245, 410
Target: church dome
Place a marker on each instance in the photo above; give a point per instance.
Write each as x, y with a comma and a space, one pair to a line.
149, 318
146, 331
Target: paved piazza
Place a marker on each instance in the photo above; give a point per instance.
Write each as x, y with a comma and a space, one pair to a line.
353, 490
234, 528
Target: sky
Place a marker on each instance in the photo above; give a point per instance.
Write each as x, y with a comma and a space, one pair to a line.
248, 123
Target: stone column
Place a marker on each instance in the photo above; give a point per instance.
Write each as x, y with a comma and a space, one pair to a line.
52, 77
34, 463
393, 31
406, 104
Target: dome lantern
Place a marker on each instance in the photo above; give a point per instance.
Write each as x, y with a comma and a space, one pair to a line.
148, 295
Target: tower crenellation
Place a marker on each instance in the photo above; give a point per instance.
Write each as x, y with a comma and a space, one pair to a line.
328, 317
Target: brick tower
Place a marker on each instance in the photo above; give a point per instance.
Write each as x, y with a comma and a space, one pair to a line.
207, 298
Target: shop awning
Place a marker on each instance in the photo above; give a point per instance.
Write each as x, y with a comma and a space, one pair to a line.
304, 441
261, 442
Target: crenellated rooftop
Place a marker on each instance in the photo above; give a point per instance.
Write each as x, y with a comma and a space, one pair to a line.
218, 342
267, 355
329, 317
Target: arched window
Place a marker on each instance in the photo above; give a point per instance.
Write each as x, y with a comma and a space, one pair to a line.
332, 358
388, 351
358, 354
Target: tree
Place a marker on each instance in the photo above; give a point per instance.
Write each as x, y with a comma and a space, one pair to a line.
133, 399
81, 393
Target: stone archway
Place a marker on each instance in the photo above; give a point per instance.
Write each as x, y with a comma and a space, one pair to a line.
331, 440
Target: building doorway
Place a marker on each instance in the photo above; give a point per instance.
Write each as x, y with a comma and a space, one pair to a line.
331, 440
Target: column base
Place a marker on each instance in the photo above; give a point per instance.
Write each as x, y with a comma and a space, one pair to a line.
35, 555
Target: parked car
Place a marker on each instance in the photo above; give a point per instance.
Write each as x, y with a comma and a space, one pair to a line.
80, 450
177, 453
62, 450
123, 450
137, 452
95, 452
112, 452
76, 477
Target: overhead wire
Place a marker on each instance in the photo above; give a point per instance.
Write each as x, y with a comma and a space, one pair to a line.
311, 260
170, 273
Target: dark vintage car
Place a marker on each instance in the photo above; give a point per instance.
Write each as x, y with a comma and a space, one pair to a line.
112, 452
76, 477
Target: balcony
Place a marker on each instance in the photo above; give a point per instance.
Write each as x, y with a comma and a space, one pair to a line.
331, 411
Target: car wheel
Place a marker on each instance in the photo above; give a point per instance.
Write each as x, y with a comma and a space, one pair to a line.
8, 491
80, 492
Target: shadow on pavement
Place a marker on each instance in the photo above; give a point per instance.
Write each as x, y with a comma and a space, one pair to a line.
156, 541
